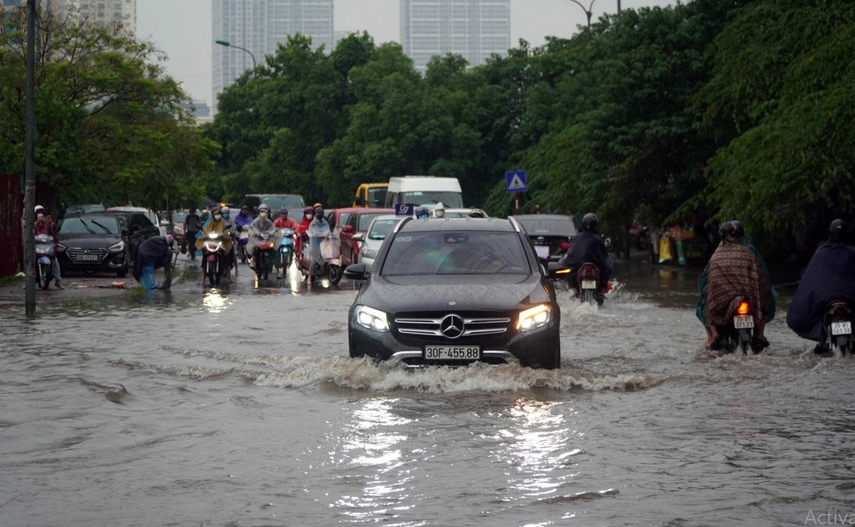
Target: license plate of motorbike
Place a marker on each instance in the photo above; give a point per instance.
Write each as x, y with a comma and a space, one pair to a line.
87, 258
743, 322
452, 352
841, 328
589, 284
542, 251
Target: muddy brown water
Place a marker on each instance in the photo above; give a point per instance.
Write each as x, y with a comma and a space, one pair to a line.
240, 406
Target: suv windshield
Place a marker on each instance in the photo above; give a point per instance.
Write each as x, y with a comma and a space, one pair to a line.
451, 200
89, 225
455, 253
276, 203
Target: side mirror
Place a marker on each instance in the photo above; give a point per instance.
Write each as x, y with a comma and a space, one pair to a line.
348, 229
556, 270
355, 272
608, 242
359, 237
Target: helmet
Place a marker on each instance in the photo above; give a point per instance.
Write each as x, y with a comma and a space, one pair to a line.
837, 227
244, 207
263, 207
39, 208
590, 222
318, 204
283, 210
225, 211
215, 209
422, 213
439, 210
476, 214
738, 229
727, 230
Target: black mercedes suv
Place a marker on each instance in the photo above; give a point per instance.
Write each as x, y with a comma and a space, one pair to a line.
453, 291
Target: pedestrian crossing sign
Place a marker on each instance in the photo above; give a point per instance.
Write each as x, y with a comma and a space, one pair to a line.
516, 181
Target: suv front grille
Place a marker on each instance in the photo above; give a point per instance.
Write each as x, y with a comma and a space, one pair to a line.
472, 326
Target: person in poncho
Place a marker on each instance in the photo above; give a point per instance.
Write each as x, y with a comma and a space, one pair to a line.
734, 272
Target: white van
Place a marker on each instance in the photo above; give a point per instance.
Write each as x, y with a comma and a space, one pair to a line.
424, 190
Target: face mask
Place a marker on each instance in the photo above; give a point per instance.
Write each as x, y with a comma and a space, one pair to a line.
309, 216
218, 217
225, 216
262, 214
40, 217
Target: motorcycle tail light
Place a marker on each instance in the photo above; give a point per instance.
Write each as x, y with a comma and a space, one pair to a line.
743, 308
564, 246
840, 311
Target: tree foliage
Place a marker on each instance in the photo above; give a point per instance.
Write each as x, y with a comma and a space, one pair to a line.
110, 126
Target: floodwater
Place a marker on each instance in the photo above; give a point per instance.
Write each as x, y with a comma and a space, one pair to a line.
241, 407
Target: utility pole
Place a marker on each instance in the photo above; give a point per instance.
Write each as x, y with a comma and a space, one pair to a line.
29, 162
618, 6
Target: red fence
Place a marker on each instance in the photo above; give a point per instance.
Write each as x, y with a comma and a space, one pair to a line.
11, 211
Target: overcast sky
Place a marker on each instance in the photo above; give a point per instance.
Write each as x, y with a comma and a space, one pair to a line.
182, 28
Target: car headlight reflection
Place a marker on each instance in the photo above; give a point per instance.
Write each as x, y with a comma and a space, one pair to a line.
371, 318
534, 317
119, 247
369, 253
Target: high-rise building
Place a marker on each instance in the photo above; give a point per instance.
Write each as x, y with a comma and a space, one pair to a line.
106, 11
474, 29
258, 26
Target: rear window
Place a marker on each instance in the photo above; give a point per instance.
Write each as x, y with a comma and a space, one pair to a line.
365, 221
381, 229
548, 227
90, 225
456, 253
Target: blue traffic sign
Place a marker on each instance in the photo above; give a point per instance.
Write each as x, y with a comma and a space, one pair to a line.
404, 209
516, 181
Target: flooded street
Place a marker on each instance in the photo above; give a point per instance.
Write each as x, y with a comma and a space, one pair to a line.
241, 407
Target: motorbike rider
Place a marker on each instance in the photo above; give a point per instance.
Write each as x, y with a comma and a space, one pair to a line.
44, 225
771, 296
589, 247
284, 222
155, 253
231, 227
243, 218
260, 225
318, 230
439, 210
734, 271
829, 276
192, 224
216, 223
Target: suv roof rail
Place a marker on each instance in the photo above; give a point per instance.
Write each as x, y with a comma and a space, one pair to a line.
514, 222
401, 224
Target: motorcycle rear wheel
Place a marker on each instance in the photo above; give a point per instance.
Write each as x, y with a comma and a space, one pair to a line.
334, 274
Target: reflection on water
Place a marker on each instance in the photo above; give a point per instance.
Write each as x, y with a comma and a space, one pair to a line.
215, 301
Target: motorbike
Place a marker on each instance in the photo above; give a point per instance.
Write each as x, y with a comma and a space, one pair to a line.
587, 279
45, 253
215, 256
328, 265
242, 239
738, 333
286, 251
837, 328
264, 253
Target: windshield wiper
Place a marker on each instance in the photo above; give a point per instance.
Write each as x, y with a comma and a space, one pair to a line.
106, 230
86, 226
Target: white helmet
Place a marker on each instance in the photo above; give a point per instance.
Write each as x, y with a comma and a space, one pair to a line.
439, 210
39, 208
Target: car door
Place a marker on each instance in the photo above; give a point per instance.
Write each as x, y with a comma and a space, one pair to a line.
140, 228
346, 236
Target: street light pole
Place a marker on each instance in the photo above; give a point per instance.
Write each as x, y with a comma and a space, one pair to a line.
589, 12
29, 162
228, 44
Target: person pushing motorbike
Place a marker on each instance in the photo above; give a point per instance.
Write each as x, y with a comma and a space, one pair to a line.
829, 277
589, 247
155, 253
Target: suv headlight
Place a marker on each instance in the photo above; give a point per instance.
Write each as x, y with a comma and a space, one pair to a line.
119, 247
371, 318
534, 317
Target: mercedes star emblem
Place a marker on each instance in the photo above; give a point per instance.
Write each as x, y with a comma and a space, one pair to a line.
451, 326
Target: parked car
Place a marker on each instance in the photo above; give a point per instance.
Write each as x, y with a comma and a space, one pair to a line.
461, 213
93, 242
177, 224
357, 221
292, 202
136, 225
453, 292
551, 234
373, 238
150, 214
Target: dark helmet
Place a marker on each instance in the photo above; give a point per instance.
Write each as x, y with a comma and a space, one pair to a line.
422, 213
283, 211
727, 230
738, 229
836, 230
319, 212
590, 222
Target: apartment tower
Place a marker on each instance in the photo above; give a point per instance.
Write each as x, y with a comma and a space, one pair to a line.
258, 26
474, 29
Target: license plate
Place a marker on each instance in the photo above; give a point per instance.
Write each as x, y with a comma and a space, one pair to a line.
743, 322
87, 258
841, 328
589, 284
542, 250
452, 352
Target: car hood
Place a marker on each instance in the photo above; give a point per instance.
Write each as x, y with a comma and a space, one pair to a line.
435, 293
90, 241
